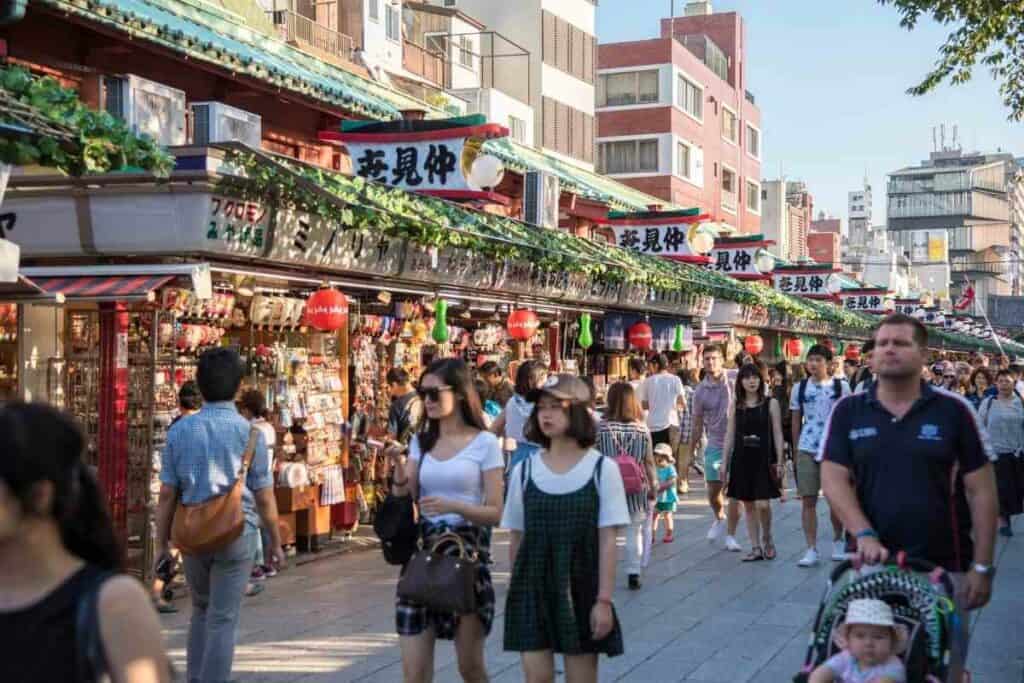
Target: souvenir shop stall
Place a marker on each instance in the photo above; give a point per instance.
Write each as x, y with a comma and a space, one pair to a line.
8, 351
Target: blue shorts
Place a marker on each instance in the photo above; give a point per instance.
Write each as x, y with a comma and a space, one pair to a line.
712, 463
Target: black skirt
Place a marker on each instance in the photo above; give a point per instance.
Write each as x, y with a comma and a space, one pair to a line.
1010, 483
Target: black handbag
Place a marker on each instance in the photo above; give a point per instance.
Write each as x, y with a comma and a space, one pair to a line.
442, 582
395, 526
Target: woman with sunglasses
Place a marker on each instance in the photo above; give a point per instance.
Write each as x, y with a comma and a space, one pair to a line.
454, 469
58, 557
565, 505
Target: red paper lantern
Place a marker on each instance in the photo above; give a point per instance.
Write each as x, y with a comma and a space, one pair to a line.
641, 336
794, 347
327, 310
522, 324
753, 344
852, 352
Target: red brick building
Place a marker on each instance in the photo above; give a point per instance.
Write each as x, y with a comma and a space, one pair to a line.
675, 119
824, 247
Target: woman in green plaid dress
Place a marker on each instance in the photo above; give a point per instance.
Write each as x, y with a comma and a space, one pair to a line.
564, 507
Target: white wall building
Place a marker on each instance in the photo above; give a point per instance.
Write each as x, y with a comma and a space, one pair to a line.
775, 216
560, 37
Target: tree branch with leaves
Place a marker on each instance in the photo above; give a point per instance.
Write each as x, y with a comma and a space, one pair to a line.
988, 33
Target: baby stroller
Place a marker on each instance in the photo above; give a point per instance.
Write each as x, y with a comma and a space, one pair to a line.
921, 597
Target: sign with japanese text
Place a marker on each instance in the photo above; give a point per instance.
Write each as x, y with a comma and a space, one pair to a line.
434, 157
908, 307
864, 300
655, 233
735, 262
237, 226
434, 165
812, 284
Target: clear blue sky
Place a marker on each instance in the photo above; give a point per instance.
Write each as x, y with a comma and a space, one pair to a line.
830, 78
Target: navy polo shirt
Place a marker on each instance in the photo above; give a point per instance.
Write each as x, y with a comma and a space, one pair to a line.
903, 470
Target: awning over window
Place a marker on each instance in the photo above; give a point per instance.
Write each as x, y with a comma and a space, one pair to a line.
23, 287
107, 287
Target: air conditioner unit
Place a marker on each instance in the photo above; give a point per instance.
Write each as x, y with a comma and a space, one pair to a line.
218, 122
540, 199
148, 108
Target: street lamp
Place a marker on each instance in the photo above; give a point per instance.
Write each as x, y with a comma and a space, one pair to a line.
764, 261
701, 239
833, 285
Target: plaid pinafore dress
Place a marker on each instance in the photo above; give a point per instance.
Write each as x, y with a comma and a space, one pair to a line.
554, 582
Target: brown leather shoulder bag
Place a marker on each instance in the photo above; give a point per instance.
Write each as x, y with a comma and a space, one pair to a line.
213, 524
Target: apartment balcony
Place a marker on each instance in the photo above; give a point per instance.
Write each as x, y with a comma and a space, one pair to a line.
306, 32
427, 64
465, 62
980, 263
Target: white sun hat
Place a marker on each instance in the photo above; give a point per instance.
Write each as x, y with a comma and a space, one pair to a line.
872, 612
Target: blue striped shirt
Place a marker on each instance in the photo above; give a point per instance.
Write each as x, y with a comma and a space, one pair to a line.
203, 456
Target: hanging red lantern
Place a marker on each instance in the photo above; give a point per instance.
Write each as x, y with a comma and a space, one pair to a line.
794, 347
828, 344
753, 344
852, 352
641, 336
327, 310
522, 324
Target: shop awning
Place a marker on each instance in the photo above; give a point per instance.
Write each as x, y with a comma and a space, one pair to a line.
128, 282
109, 287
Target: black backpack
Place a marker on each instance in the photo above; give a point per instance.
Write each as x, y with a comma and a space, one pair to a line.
837, 392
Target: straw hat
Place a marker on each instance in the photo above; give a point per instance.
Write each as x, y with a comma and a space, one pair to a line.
872, 612
663, 450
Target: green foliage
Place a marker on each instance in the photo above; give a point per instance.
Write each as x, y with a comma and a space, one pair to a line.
100, 143
988, 33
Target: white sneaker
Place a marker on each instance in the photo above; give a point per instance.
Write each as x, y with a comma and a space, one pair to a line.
731, 545
810, 558
838, 551
716, 530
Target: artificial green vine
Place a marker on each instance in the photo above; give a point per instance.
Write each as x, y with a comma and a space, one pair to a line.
98, 141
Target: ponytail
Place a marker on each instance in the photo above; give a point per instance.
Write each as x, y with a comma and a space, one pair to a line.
86, 528
42, 444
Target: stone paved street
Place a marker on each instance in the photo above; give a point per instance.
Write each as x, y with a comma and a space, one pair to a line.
702, 615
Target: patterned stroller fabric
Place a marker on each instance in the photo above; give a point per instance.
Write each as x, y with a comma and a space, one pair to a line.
921, 597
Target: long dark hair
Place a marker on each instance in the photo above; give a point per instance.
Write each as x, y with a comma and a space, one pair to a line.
748, 370
529, 374
456, 374
41, 444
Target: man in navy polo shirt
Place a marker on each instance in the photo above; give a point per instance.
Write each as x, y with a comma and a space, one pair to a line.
907, 467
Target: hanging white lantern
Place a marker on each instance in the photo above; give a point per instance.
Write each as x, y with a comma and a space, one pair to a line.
833, 285
764, 261
486, 172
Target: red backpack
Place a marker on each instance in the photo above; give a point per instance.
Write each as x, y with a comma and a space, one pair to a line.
633, 478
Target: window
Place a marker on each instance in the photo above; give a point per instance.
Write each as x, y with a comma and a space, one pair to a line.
684, 159
567, 48
730, 127
691, 98
466, 51
393, 25
374, 9
729, 189
753, 197
753, 142
626, 88
628, 156
728, 180
517, 128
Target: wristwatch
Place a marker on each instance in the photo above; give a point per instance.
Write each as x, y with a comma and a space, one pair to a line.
984, 569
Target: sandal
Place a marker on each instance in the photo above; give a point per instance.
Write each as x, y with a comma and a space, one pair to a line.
769, 551
755, 555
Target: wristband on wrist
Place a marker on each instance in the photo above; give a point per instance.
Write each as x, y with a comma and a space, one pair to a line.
867, 533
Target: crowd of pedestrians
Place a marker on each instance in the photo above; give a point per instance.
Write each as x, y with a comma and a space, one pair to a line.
564, 476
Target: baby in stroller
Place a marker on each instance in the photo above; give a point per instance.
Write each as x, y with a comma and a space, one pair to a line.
871, 641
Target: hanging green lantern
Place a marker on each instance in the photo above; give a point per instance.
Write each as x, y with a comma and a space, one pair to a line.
677, 340
586, 340
440, 331
778, 346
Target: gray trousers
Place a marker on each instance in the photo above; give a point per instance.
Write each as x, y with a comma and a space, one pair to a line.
217, 582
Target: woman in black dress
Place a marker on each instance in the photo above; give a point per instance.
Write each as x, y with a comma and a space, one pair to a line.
753, 451
67, 613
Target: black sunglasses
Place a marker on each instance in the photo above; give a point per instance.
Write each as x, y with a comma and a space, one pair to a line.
433, 393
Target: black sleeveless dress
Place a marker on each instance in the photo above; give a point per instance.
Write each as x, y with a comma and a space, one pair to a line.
753, 454
38, 642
